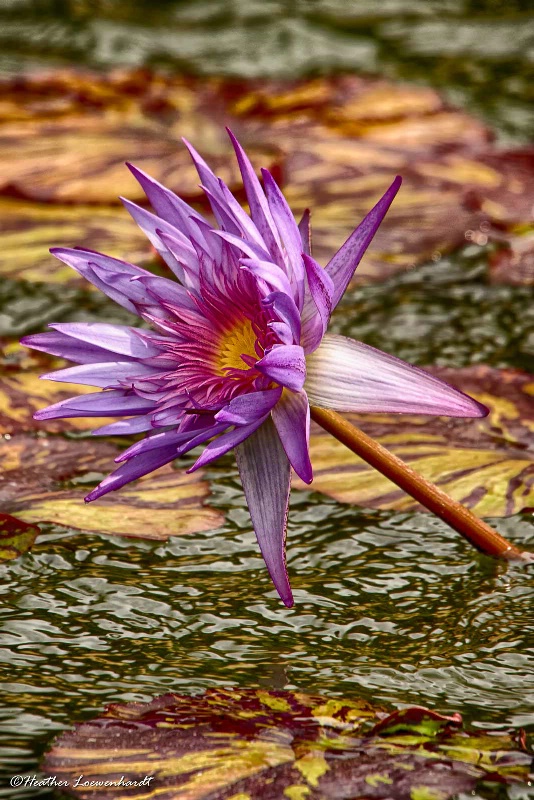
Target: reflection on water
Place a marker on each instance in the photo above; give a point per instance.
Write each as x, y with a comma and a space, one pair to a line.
391, 607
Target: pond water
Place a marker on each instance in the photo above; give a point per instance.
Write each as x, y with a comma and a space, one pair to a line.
394, 607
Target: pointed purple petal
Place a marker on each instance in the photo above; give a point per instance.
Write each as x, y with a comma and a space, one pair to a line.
225, 442
156, 441
165, 203
125, 427
111, 275
82, 260
317, 305
133, 469
265, 475
283, 332
106, 375
209, 181
58, 344
150, 224
273, 276
120, 339
288, 231
342, 266
114, 403
259, 207
291, 415
201, 437
350, 376
286, 365
305, 232
249, 407
170, 291
251, 249
286, 310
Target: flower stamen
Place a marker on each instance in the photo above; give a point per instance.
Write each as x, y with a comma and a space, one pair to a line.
235, 343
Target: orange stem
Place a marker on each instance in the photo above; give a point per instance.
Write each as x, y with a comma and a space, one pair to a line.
481, 535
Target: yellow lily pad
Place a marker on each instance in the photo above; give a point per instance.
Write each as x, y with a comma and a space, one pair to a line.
336, 144
29, 230
486, 464
45, 480
22, 393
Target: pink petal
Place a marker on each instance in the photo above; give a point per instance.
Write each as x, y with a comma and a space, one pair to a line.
350, 376
342, 266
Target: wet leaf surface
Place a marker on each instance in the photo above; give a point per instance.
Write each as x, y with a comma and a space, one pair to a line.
45, 479
487, 464
16, 537
29, 230
336, 144
252, 744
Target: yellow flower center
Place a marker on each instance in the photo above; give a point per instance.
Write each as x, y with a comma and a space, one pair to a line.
237, 341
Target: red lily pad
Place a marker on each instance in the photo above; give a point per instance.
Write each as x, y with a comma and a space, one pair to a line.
251, 744
45, 480
486, 464
16, 537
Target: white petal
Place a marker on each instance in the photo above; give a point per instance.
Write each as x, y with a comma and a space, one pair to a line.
347, 375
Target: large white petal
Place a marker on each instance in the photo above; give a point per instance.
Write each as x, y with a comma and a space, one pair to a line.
347, 375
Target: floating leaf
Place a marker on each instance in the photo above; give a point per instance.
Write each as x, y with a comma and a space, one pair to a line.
29, 230
487, 464
338, 141
252, 744
22, 393
16, 537
45, 480
415, 720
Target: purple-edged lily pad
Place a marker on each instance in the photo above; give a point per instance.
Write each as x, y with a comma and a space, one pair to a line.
254, 744
16, 537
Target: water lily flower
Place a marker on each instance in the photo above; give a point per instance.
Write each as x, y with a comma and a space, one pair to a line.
237, 348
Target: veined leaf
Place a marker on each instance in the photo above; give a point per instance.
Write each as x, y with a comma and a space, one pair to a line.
267, 745
45, 480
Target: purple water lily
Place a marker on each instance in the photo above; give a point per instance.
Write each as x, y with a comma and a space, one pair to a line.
237, 349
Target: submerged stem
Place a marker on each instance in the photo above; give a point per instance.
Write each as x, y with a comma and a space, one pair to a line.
481, 535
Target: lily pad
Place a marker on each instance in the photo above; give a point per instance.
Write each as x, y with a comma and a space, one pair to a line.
247, 744
29, 230
16, 537
45, 480
487, 464
334, 142
22, 393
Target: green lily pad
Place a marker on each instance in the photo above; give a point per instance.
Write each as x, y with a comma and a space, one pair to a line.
16, 537
45, 480
252, 744
486, 464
